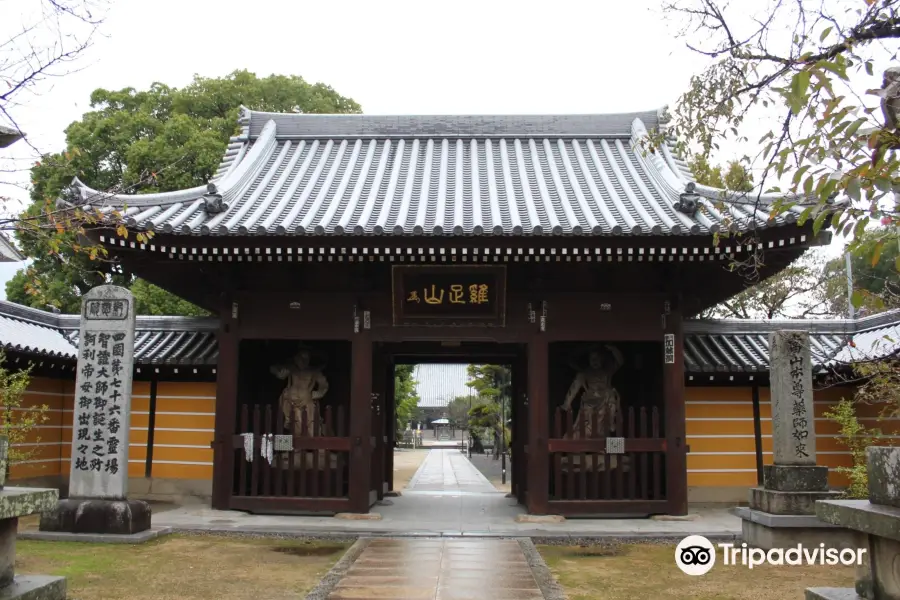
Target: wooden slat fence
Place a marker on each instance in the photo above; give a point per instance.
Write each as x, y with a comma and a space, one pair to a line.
585, 479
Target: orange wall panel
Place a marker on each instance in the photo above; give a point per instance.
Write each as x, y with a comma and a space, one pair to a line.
188, 438
182, 471
44, 441
721, 436
180, 405
723, 479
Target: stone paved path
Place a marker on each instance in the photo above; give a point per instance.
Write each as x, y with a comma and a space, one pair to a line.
410, 569
449, 471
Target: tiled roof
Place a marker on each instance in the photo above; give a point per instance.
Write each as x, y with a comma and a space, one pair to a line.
158, 340
715, 346
870, 345
738, 345
32, 331
320, 175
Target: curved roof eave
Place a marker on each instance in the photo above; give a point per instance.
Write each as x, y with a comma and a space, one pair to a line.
231, 171
663, 161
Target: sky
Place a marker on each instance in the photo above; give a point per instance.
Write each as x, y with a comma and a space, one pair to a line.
391, 56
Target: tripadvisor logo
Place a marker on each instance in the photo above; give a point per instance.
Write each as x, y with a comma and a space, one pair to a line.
696, 555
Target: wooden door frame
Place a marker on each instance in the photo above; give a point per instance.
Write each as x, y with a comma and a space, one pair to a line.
674, 417
538, 426
378, 414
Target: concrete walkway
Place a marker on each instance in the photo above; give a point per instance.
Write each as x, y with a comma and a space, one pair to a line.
439, 570
449, 471
450, 497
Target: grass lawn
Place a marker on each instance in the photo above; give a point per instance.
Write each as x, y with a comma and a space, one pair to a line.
183, 567
649, 571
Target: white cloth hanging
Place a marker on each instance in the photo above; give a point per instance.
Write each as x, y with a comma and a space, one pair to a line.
267, 447
248, 446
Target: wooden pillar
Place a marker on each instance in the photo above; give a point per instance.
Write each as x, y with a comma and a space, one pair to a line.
673, 397
360, 422
390, 423
520, 427
379, 411
226, 408
538, 427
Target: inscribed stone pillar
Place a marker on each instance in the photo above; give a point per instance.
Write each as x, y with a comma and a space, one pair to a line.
99, 465
780, 513
790, 374
98, 475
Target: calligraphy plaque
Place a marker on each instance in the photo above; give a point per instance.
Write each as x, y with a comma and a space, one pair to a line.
105, 310
456, 296
669, 347
790, 376
102, 415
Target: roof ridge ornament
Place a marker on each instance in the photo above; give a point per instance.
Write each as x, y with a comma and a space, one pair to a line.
71, 195
244, 115
689, 200
663, 115
212, 200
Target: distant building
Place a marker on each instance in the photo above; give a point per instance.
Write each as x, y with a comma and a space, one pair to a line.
437, 385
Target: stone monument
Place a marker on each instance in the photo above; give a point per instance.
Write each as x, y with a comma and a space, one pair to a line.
782, 512
14, 503
875, 525
98, 474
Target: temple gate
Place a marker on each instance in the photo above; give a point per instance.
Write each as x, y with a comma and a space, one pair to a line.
331, 247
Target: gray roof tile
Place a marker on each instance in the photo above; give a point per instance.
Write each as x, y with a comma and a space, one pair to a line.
320, 175
158, 340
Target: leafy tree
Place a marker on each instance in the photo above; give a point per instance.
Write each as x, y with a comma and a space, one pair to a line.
488, 416
491, 381
459, 407
806, 68
876, 284
788, 293
142, 141
152, 300
406, 400
797, 291
17, 420
736, 177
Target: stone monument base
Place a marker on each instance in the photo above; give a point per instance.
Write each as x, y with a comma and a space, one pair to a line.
35, 587
778, 502
92, 515
795, 478
765, 530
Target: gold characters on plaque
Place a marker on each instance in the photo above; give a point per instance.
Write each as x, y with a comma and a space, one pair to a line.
478, 293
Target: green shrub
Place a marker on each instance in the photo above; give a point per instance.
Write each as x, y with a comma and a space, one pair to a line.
856, 437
